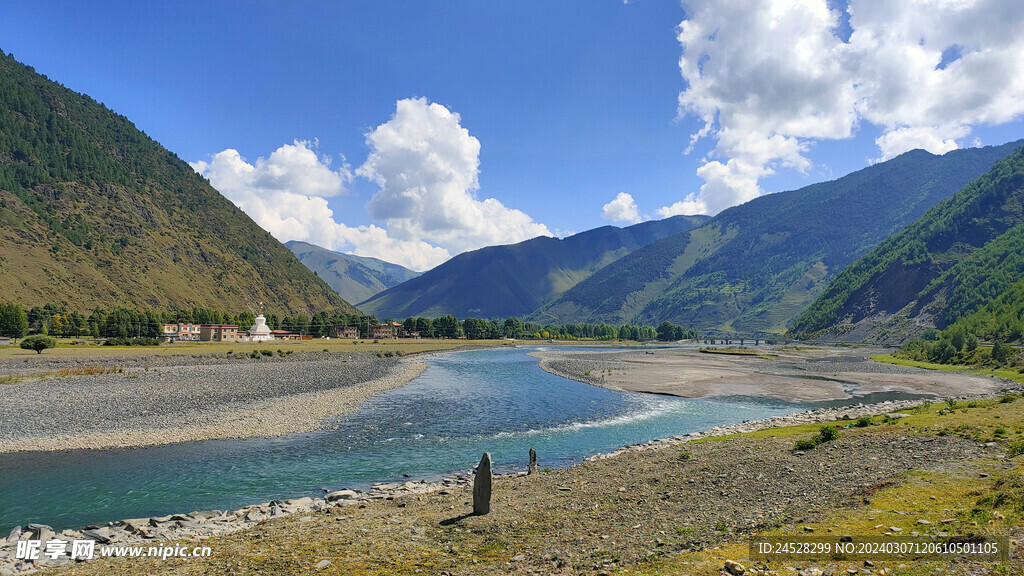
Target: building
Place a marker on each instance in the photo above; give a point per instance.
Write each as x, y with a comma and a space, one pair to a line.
181, 332
260, 332
280, 334
385, 330
350, 332
5, 341
219, 333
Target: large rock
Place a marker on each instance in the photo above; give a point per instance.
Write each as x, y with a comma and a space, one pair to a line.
533, 461
342, 495
482, 486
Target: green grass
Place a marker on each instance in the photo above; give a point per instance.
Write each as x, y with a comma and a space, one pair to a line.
1007, 373
95, 349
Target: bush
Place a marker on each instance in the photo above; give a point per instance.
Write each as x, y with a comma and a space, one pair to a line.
1015, 449
825, 434
254, 354
38, 343
828, 433
863, 422
266, 352
1010, 397
805, 444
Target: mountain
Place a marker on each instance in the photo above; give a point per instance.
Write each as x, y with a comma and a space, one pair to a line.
962, 262
354, 278
754, 267
511, 280
95, 213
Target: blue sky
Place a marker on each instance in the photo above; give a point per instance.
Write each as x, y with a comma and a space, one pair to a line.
412, 131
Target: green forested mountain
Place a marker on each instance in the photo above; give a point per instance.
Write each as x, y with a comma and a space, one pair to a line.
354, 278
754, 267
503, 281
962, 263
95, 213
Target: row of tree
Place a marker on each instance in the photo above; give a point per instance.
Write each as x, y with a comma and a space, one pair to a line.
955, 345
57, 320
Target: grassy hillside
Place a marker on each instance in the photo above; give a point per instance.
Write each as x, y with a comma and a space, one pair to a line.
95, 213
961, 262
754, 267
354, 278
503, 281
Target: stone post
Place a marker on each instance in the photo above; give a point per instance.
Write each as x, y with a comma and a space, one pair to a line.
482, 486
533, 462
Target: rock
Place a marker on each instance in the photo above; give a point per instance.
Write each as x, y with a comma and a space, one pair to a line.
808, 529
846, 538
322, 564
533, 461
923, 521
15, 534
812, 571
734, 568
341, 495
519, 557
101, 535
482, 486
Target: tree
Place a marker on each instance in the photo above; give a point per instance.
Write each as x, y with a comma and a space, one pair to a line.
513, 327
39, 343
13, 320
448, 327
1001, 351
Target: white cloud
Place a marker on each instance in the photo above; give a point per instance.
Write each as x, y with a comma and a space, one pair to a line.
769, 78
622, 209
286, 195
427, 165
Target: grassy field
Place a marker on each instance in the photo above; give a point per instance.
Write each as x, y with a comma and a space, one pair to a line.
1007, 373
67, 348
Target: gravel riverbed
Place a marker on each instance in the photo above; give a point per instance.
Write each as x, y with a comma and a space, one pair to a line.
166, 399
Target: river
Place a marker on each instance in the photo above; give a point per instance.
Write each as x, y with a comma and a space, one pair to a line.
465, 403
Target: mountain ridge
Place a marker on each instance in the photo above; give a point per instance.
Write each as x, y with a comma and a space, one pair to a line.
515, 279
753, 267
354, 278
960, 257
95, 213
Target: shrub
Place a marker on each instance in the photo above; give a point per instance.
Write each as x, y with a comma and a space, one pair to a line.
684, 456
951, 402
38, 343
805, 444
1010, 397
863, 422
254, 354
828, 434
825, 434
1015, 449
266, 352
280, 353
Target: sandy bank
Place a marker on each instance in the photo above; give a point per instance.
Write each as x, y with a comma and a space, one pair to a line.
806, 375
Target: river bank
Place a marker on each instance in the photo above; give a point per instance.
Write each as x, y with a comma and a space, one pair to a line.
151, 400
657, 508
792, 374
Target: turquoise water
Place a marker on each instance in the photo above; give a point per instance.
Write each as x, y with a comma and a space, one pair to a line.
465, 403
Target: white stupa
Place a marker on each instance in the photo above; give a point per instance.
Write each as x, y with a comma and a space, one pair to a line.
260, 332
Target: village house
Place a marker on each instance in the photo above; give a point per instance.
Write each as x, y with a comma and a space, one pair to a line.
181, 332
219, 333
281, 334
350, 332
5, 341
385, 330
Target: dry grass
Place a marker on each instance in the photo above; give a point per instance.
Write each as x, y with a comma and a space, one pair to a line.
15, 378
